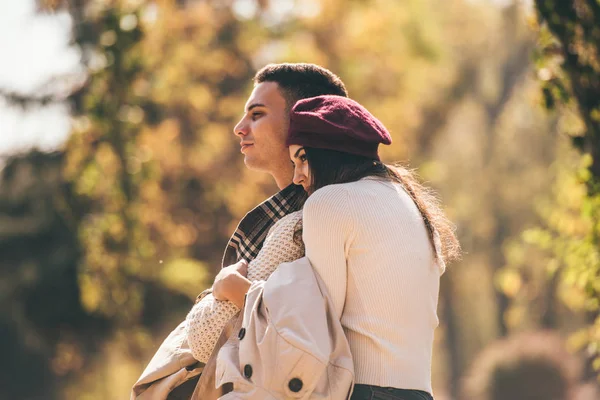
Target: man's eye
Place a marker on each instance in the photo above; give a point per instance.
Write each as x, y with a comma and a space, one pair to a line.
256, 115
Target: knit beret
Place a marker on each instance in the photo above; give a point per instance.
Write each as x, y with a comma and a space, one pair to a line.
336, 123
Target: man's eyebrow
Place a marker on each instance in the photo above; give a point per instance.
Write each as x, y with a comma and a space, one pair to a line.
298, 151
254, 105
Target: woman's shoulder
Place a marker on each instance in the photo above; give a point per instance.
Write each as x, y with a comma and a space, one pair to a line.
343, 192
331, 204
335, 194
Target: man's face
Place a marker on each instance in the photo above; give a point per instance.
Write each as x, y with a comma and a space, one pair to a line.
263, 129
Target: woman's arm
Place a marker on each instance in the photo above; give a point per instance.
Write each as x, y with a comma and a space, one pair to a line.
328, 233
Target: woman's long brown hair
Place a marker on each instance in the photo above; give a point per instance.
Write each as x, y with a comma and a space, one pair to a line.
329, 167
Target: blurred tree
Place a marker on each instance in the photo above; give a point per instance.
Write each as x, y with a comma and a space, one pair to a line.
490, 157
569, 67
42, 321
570, 48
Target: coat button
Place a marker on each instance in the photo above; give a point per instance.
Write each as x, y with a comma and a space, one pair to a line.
295, 385
248, 371
242, 333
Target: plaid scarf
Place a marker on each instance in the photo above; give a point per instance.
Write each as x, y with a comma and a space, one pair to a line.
248, 238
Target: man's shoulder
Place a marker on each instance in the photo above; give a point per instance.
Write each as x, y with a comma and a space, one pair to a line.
290, 219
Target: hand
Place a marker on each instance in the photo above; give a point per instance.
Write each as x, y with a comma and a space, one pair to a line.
231, 283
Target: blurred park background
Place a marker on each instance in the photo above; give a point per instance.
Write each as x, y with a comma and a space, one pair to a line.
121, 180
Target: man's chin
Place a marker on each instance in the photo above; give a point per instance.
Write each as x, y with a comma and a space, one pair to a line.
253, 164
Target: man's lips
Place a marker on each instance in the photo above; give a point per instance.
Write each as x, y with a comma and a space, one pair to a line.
245, 146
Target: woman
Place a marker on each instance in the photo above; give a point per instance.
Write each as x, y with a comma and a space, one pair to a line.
377, 239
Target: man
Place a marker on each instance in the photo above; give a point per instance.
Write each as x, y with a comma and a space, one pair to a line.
173, 372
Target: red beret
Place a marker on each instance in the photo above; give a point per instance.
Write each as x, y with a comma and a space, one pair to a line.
336, 123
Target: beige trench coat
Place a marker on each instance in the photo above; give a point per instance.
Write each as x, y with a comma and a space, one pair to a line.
290, 344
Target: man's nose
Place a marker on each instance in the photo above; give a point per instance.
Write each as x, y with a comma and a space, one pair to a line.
241, 129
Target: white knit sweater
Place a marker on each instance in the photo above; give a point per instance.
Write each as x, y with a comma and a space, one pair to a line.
208, 317
368, 242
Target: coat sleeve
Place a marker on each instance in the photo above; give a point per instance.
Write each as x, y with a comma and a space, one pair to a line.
172, 365
327, 234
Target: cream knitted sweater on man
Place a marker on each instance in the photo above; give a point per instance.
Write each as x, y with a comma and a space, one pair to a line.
369, 244
208, 317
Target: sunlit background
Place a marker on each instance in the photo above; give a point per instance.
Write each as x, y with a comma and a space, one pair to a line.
121, 180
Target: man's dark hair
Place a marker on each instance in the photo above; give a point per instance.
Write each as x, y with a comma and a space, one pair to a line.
301, 81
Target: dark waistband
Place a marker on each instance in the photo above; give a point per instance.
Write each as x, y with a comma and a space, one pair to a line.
368, 392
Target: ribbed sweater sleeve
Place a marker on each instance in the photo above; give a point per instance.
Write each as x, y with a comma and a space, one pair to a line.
328, 233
